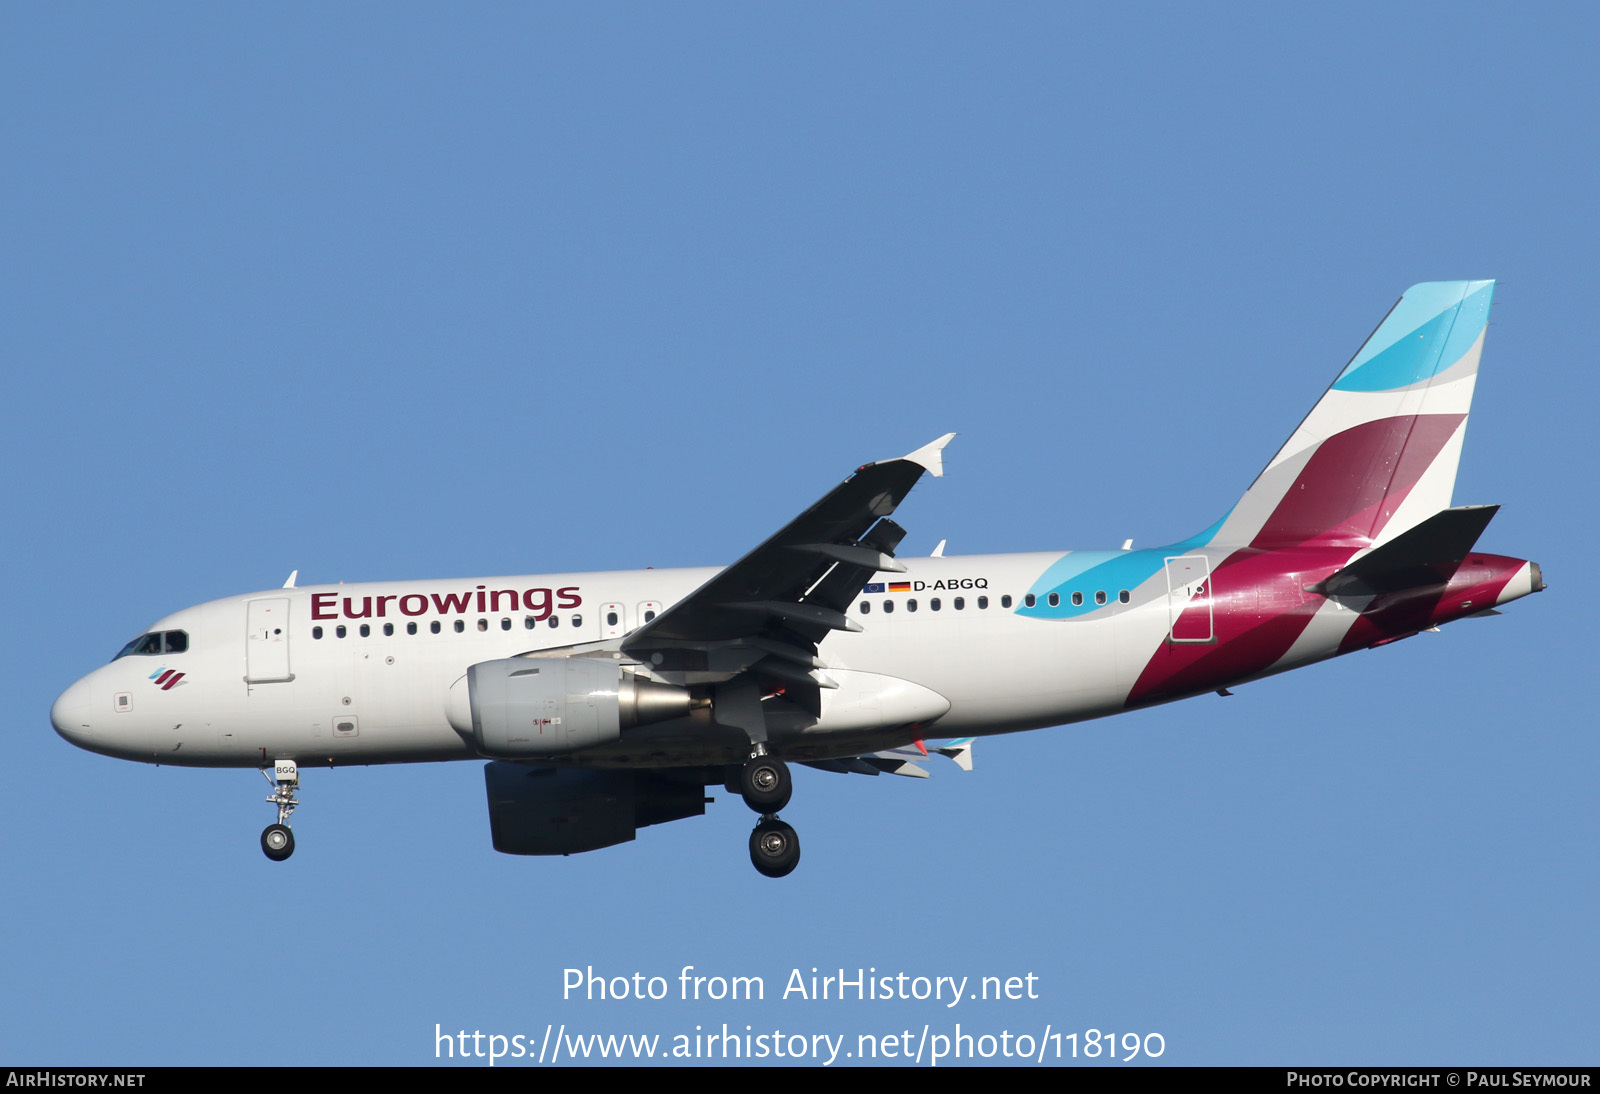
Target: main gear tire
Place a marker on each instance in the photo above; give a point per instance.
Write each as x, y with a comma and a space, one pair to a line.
774, 848
765, 785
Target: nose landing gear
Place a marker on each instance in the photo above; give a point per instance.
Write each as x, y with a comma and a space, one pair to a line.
277, 841
765, 785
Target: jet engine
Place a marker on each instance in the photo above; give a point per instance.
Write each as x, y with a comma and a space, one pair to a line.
567, 810
522, 708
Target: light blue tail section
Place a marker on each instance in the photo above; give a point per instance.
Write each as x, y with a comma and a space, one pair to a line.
1431, 328
1108, 570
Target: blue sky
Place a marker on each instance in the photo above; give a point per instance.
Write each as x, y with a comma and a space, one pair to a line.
394, 291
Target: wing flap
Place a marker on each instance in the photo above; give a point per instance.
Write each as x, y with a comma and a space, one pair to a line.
898, 761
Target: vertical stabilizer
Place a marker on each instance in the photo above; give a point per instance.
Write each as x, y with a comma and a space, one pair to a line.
1377, 455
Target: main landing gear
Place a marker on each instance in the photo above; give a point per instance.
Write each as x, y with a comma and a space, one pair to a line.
765, 786
277, 841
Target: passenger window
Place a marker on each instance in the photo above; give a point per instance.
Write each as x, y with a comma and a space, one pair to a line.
434, 626
505, 624
650, 613
411, 628
388, 629
611, 619
366, 631
339, 631
483, 624
1029, 601
1055, 600
1077, 600
316, 632
577, 621
911, 605
933, 605
1005, 601
959, 603
1123, 596
888, 606
983, 602
461, 626
1100, 597
866, 607
555, 621
529, 622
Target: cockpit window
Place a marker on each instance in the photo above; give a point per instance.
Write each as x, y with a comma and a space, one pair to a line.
144, 644
156, 643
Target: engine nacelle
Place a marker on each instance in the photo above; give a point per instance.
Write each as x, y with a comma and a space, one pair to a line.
564, 811
525, 707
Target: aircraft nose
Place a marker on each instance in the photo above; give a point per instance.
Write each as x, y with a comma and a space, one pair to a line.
73, 714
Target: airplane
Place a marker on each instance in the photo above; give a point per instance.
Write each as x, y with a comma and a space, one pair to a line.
608, 702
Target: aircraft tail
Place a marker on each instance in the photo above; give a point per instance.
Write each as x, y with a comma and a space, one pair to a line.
1377, 455
1425, 557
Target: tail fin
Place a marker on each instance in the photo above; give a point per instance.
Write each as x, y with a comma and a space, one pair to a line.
1377, 455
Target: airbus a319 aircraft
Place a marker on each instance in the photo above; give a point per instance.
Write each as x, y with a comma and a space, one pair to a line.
606, 702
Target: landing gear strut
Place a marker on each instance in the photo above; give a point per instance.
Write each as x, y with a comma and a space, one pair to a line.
277, 841
766, 788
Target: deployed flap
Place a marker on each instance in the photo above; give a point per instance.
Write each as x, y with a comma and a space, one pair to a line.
1426, 555
898, 761
791, 592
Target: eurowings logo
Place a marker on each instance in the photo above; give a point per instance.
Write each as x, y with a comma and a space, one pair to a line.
165, 679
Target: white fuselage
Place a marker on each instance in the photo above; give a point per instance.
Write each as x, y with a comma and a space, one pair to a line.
370, 667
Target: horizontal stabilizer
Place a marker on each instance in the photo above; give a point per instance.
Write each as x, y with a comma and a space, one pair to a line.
1426, 555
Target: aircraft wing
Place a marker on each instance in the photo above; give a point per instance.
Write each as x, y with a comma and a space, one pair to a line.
767, 613
899, 761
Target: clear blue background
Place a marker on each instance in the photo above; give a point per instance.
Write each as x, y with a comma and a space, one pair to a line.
394, 291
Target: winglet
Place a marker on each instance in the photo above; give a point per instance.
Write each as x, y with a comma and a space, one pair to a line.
290, 583
960, 751
928, 456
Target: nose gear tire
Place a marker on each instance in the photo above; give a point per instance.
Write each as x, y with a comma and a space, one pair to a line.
277, 842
